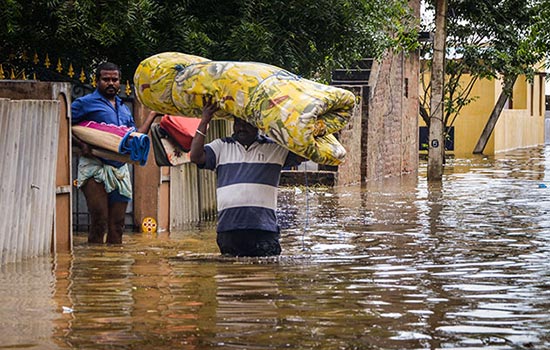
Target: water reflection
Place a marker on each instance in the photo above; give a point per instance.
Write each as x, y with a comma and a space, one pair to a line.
27, 309
399, 264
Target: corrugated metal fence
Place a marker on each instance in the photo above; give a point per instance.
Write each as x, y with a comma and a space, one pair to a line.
193, 191
29, 131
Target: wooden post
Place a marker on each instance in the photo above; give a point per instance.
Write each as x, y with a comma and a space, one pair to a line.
146, 180
495, 114
64, 179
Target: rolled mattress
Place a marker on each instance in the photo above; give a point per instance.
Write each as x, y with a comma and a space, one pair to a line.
118, 140
297, 113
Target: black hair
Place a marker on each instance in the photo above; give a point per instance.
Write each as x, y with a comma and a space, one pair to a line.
106, 66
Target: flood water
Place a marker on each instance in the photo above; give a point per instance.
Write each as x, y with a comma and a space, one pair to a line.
401, 264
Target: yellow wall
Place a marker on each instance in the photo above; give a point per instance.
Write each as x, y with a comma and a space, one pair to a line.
471, 121
522, 126
516, 128
519, 95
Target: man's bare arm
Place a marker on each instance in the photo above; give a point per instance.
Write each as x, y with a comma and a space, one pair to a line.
197, 154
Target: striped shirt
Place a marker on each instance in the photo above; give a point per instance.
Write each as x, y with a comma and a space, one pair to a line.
247, 181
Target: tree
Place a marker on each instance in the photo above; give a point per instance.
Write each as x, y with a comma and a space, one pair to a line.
309, 38
81, 32
487, 39
436, 136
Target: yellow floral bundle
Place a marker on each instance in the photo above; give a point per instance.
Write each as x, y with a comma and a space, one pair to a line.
299, 114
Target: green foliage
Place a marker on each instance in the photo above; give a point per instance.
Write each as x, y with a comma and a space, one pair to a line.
307, 37
540, 34
488, 39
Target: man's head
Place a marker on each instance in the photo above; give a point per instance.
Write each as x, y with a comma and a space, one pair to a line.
244, 132
108, 79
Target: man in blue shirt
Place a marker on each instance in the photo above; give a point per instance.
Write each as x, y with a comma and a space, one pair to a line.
106, 183
248, 168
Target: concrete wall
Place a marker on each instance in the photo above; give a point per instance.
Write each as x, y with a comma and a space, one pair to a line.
517, 129
473, 117
521, 123
382, 136
390, 131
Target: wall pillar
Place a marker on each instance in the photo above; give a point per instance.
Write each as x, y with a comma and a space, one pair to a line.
147, 180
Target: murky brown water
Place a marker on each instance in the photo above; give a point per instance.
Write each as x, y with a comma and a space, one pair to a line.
397, 265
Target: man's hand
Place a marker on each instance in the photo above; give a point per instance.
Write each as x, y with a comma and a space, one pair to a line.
208, 109
197, 154
144, 128
86, 150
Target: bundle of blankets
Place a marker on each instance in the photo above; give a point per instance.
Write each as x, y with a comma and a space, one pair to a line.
119, 142
299, 114
171, 139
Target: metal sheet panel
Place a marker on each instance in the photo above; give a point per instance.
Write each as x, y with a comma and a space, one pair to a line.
29, 135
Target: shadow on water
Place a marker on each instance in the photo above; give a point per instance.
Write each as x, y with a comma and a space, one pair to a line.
399, 264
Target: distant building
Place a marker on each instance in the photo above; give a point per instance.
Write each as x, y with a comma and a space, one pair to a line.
521, 123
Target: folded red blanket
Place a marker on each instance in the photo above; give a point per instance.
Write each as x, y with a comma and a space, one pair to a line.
181, 129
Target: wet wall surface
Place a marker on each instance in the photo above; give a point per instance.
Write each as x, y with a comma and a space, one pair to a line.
399, 264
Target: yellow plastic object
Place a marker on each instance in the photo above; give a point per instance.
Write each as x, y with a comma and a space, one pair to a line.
149, 225
299, 114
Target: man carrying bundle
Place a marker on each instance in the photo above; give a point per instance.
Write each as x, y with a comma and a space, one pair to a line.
248, 168
106, 183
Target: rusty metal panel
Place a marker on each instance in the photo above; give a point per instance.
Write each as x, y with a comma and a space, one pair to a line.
184, 198
29, 137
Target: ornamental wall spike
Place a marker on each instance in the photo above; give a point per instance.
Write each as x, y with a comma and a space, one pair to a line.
2, 75
12, 75
70, 73
128, 89
23, 75
47, 62
59, 68
24, 56
94, 83
82, 76
35, 59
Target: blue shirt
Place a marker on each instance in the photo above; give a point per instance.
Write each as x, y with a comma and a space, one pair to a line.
97, 108
247, 181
